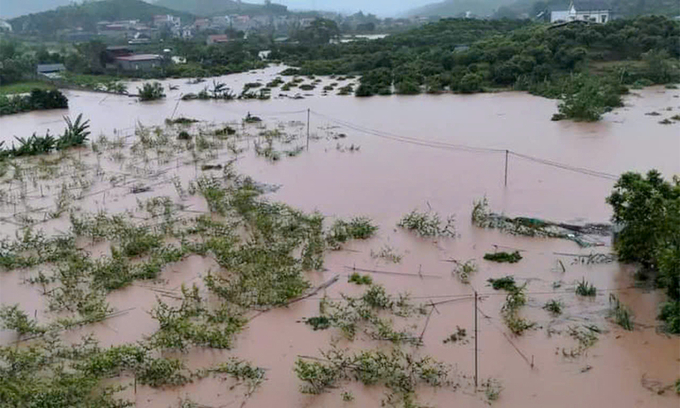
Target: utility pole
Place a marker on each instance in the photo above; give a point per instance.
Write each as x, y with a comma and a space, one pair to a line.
506, 167
476, 335
308, 112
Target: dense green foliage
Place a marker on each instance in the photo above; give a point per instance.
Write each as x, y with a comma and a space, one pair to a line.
87, 14
38, 99
648, 211
465, 55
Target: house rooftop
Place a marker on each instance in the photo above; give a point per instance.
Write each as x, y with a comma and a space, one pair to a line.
139, 57
46, 68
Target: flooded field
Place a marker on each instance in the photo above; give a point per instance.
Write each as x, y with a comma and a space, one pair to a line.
380, 158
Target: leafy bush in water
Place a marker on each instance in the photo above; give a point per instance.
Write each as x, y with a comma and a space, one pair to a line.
38, 99
648, 210
360, 279
76, 134
357, 228
11, 318
587, 99
509, 257
554, 306
505, 283
399, 372
584, 288
428, 224
151, 91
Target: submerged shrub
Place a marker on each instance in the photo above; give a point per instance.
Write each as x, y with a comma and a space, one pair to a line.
151, 91
505, 283
554, 306
360, 279
502, 257
584, 288
428, 224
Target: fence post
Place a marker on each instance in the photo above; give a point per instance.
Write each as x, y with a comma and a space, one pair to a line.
506, 167
308, 112
476, 335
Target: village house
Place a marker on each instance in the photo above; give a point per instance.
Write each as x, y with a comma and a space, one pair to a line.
50, 70
217, 39
139, 62
5, 26
595, 11
166, 20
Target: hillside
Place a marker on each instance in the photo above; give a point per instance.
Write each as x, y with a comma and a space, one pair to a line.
214, 7
87, 15
457, 8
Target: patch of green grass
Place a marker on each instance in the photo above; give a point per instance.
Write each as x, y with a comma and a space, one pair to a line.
25, 87
504, 257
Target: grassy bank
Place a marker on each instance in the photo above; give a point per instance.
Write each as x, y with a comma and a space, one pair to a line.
24, 87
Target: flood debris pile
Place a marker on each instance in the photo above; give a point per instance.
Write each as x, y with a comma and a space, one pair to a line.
584, 236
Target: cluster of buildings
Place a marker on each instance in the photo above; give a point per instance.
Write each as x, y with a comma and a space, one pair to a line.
137, 32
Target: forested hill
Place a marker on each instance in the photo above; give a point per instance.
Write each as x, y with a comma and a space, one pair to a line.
522, 8
87, 15
214, 7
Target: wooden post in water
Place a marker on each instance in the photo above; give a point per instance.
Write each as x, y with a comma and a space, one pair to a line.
308, 112
506, 167
476, 335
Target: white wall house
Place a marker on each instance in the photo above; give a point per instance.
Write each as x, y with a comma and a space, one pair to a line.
5, 26
595, 11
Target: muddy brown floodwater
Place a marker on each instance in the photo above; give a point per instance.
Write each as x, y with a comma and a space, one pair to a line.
385, 179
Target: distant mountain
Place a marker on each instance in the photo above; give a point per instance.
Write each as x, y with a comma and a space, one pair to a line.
458, 8
86, 15
215, 7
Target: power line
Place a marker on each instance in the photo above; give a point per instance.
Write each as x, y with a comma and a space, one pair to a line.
451, 146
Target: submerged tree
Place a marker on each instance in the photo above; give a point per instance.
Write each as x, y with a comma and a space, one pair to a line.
648, 211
